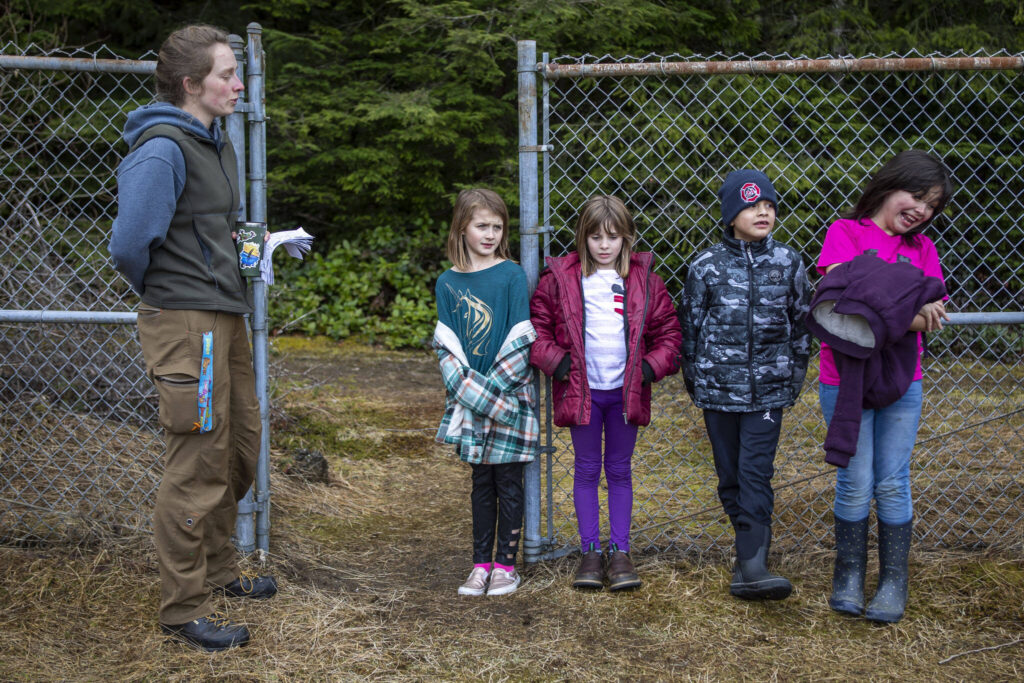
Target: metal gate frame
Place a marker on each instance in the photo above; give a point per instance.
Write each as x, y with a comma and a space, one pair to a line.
253, 525
535, 167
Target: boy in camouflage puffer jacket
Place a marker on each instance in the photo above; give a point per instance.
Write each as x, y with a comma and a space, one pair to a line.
745, 352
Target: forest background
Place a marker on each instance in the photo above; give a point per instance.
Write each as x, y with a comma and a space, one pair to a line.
380, 112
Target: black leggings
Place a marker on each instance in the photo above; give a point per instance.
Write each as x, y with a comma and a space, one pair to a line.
497, 498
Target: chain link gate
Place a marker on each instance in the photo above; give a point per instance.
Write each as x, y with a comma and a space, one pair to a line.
80, 446
661, 133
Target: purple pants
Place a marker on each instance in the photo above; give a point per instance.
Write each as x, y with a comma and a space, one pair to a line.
606, 415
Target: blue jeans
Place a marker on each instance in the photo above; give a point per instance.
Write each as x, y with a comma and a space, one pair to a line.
880, 469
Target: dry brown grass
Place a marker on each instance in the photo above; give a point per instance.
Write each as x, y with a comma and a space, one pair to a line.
369, 565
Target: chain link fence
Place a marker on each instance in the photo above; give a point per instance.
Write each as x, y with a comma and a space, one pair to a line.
79, 443
80, 446
662, 132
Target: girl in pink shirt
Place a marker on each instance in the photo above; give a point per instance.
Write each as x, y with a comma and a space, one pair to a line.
888, 221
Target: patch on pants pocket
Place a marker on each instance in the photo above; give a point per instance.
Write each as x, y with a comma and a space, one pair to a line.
178, 386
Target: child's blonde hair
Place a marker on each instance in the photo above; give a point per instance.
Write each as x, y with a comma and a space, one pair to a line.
466, 205
604, 213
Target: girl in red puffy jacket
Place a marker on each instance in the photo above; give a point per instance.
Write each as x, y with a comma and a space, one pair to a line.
606, 329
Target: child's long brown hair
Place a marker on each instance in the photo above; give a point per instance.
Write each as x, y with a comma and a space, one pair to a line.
604, 213
466, 204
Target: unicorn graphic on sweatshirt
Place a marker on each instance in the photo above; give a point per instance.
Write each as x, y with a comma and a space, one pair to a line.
477, 320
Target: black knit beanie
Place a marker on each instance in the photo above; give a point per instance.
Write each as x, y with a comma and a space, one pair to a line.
744, 188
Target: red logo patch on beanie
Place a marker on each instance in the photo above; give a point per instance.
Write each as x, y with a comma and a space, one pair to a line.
750, 192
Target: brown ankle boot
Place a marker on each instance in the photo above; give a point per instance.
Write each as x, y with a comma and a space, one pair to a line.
621, 573
590, 573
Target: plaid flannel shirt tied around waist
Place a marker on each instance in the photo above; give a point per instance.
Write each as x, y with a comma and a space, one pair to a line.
491, 418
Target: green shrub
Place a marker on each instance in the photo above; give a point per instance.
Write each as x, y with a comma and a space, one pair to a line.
380, 288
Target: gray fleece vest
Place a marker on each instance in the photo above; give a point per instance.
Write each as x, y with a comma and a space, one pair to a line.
196, 267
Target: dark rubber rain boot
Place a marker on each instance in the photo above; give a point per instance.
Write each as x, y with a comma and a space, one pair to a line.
756, 582
893, 573
851, 563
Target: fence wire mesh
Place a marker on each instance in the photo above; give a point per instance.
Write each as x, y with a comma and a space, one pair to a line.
80, 450
79, 444
663, 143
60, 144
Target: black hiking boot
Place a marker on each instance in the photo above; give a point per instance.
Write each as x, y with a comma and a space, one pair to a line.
212, 633
249, 585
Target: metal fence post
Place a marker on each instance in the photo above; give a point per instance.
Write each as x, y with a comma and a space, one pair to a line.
258, 212
245, 526
529, 202
235, 123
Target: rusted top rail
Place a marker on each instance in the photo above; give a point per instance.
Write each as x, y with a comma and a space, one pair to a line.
788, 66
116, 66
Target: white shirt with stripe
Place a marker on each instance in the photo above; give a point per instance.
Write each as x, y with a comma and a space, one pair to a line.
604, 298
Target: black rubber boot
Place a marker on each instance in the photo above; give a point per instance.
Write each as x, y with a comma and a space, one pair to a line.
756, 582
851, 563
893, 573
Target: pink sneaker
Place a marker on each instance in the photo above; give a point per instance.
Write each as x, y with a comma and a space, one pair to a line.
476, 584
503, 582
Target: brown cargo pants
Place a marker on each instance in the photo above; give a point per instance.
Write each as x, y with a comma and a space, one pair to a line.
205, 475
